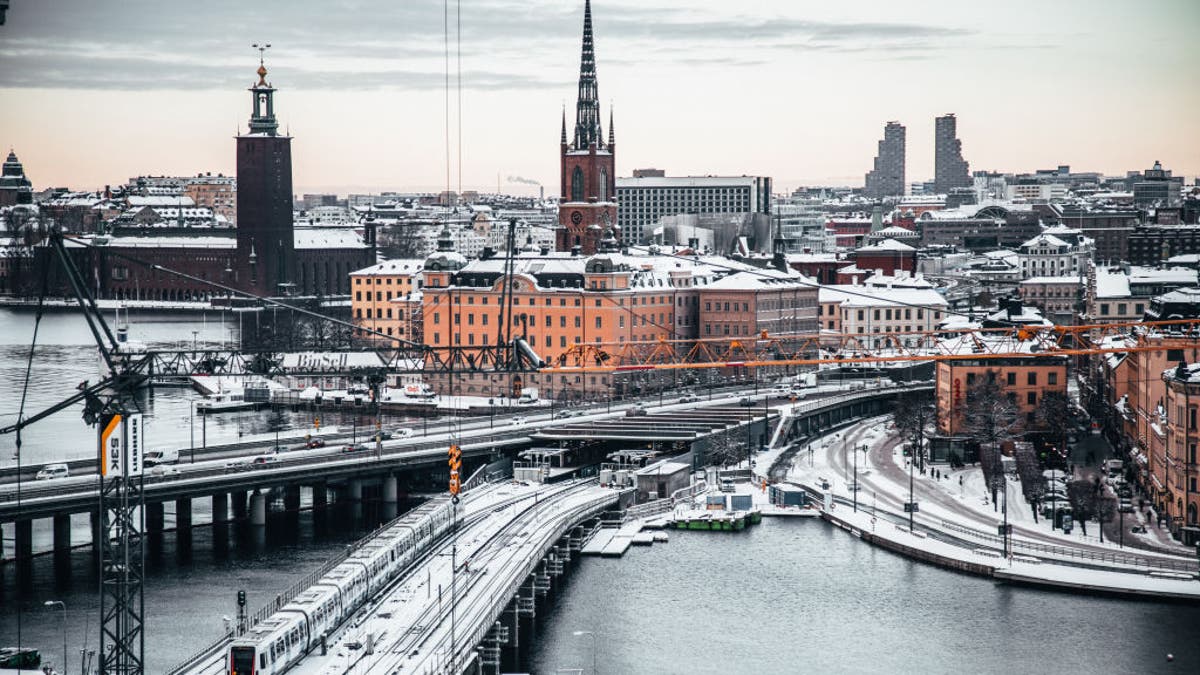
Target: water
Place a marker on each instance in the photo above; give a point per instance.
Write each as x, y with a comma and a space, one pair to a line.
793, 596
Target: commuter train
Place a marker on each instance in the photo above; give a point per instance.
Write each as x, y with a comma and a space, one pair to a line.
280, 641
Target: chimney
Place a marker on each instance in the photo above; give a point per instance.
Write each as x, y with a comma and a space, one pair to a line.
545, 250
576, 250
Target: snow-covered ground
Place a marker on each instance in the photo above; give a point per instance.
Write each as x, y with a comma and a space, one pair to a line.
960, 514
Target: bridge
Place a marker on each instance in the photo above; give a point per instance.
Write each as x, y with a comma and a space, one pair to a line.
240, 490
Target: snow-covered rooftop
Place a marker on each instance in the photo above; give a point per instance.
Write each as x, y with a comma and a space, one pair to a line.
398, 266
887, 245
325, 238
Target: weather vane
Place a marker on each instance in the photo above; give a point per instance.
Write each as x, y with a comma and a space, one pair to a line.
261, 50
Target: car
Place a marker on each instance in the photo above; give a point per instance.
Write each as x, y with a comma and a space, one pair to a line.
237, 464
518, 421
563, 414
636, 411
359, 447
53, 471
689, 398
746, 401
315, 442
163, 470
263, 460
398, 432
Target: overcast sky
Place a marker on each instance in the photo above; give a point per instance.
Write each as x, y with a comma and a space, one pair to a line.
97, 91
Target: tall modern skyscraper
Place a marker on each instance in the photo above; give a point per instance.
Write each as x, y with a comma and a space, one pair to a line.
950, 170
587, 213
265, 235
887, 178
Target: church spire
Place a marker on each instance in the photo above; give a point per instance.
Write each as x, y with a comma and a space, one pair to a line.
587, 109
564, 125
612, 134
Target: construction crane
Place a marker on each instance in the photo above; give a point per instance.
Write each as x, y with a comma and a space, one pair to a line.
109, 406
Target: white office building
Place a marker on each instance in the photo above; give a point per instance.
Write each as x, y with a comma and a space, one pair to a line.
643, 201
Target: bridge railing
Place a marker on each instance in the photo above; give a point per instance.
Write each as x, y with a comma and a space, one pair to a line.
1115, 557
561, 525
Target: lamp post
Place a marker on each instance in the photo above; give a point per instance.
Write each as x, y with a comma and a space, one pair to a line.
60, 603
593, 637
192, 428
854, 488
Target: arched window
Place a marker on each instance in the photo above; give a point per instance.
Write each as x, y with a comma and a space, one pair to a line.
577, 185
603, 185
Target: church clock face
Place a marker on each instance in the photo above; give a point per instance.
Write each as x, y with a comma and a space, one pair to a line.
576, 217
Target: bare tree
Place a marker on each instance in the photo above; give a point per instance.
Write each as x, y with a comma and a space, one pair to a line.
914, 414
991, 418
1054, 415
402, 240
1033, 485
725, 449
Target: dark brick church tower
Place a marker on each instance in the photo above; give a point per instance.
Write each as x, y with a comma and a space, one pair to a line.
587, 212
265, 235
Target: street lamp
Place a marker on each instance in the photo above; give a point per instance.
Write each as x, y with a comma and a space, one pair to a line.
593, 637
60, 603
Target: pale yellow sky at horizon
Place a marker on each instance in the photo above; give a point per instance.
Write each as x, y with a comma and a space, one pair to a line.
795, 90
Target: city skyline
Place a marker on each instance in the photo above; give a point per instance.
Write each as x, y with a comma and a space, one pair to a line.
367, 113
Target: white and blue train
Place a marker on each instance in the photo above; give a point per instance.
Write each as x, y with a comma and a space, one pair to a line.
280, 641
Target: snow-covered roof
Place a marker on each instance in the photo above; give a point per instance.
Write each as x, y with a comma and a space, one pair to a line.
327, 238
880, 296
764, 279
159, 200
888, 245
158, 242
1111, 283
1033, 281
896, 231
398, 266
1153, 275
1045, 240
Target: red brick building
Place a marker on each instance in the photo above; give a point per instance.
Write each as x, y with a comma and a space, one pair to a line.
587, 212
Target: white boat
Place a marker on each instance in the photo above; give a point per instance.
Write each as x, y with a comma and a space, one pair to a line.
225, 401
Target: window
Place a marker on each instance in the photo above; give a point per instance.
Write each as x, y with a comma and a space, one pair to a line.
577, 185
1031, 398
1012, 378
1031, 379
598, 325
1052, 378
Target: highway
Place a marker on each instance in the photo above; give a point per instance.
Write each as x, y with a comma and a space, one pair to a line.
233, 472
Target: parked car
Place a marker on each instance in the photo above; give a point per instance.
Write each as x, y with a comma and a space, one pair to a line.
53, 471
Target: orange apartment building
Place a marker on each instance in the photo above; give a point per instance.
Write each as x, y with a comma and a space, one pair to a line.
1023, 380
559, 302
386, 298
1180, 499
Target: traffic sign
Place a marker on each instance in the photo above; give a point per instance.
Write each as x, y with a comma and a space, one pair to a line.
1003, 529
912, 507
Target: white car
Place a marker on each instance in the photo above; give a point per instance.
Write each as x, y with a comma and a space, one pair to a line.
53, 471
518, 421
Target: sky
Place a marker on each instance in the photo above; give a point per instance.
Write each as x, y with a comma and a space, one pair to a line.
97, 92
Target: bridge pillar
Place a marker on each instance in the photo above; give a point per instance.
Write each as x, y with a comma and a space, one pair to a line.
258, 508
239, 504
320, 495
354, 490
97, 534
391, 489
291, 498
24, 540
62, 534
220, 508
391, 497
183, 513
154, 517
